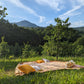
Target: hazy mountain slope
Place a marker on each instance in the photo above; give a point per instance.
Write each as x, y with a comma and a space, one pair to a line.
25, 23
79, 29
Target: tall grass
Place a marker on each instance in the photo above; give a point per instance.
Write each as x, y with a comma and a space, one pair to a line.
52, 77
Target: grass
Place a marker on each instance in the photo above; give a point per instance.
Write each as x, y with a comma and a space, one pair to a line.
53, 77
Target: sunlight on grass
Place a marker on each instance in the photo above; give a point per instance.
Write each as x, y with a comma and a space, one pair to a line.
7, 76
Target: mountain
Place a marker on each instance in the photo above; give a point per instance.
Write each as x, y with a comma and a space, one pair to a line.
26, 23
81, 29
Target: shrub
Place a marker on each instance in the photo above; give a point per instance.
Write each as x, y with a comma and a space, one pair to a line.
4, 48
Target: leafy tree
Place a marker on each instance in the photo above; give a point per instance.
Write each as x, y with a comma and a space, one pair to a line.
11, 50
72, 35
79, 46
80, 41
3, 12
4, 49
57, 35
26, 50
33, 53
50, 48
79, 50
17, 50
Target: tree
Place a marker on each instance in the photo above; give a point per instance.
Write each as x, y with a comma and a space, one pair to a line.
17, 50
3, 12
56, 35
79, 50
4, 49
50, 48
80, 41
79, 46
26, 50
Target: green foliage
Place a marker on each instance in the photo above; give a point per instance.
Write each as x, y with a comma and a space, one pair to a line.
14, 34
11, 57
2, 12
58, 40
17, 50
33, 53
50, 48
28, 51
4, 49
11, 50
80, 41
55, 36
78, 47
79, 50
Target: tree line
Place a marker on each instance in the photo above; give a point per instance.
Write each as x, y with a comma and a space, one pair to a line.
58, 40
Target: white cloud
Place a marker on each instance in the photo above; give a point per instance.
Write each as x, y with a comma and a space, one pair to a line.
20, 5
42, 18
49, 22
76, 5
55, 4
77, 24
70, 12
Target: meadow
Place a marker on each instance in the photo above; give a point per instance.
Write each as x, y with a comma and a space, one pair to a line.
7, 75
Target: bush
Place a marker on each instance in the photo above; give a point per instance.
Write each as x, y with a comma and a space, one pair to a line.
33, 53
28, 51
11, 57
17, 50
4, 48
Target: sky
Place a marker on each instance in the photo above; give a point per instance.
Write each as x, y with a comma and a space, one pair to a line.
43, 12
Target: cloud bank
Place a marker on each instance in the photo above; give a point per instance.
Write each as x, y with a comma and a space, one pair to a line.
54, 4
76, 5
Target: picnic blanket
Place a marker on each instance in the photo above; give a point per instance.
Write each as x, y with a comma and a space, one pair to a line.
48, 66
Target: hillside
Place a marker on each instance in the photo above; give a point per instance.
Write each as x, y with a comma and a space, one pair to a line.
14, 34
26, 23
79, 29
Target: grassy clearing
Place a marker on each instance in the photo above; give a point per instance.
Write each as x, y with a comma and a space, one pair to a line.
54, 77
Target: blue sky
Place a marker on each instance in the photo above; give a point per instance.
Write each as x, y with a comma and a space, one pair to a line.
43, 12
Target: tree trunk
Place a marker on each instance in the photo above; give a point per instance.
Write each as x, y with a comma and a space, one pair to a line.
56, 57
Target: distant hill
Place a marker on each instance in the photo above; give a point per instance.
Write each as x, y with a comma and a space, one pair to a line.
15, 34
26, 23
81, 29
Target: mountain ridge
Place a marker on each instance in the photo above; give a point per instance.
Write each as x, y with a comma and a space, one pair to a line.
79, 28
25, 23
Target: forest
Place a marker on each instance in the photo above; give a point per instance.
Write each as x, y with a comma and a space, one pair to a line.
57, 40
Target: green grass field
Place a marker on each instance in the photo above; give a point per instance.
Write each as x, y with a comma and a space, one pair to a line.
53, 77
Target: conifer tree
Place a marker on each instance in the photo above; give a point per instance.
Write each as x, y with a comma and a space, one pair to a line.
4, 49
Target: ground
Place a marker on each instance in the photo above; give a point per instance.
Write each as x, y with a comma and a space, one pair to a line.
7, 75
